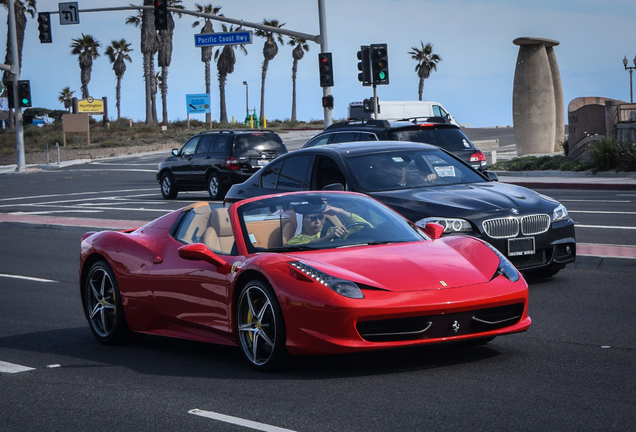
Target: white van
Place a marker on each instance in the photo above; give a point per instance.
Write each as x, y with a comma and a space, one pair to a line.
398, 110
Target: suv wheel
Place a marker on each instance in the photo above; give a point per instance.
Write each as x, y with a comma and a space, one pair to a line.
168, 189
214, 187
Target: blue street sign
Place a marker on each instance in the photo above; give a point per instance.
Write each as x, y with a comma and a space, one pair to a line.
198, 103
233, 38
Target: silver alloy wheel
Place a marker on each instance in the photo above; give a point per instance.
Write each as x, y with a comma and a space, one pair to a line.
213, 185
101, 302
166, 185
257, 325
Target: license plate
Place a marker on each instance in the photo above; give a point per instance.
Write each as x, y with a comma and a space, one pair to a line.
262, 162
521, 246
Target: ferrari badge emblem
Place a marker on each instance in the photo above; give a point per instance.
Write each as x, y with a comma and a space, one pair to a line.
455, 326
443, 283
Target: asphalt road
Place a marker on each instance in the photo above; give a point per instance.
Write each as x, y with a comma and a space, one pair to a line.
573, 370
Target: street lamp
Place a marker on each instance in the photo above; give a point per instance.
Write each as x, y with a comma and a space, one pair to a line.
631, 69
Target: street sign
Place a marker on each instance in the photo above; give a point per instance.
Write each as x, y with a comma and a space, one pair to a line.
69, 13
90, 106
232, 38
198, 103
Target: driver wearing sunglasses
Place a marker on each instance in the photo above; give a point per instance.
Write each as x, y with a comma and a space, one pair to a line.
314, 219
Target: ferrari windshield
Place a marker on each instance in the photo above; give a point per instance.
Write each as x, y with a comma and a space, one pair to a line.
402, 169
324, 220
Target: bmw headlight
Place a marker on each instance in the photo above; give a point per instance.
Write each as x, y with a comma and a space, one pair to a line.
560, 213
451, 225
505, 266
343, 287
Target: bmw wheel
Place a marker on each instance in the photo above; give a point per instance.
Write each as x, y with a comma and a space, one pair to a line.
168, 189
214, 187
103, 306
261, 330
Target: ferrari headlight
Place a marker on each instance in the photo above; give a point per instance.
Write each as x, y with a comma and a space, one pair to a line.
505, 266
451, 225
560, 213
343, 287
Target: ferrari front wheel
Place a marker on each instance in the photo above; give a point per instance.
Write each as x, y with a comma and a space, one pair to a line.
103, 305
260, 325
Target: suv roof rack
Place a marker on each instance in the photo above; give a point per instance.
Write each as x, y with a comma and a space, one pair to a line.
370, 123
426, 119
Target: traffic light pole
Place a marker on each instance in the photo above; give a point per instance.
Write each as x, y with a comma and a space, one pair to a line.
324, 47
375, 102
15, 60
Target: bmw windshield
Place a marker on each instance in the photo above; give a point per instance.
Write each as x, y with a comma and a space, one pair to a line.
404, 169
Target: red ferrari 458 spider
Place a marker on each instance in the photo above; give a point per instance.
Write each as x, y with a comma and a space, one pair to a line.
298, 273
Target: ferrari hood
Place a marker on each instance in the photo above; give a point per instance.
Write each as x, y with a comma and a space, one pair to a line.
444, 263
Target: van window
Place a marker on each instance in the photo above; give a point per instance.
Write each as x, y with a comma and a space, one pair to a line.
205, 144
449, 138
188, 148
223, 145
245, 144
342, 137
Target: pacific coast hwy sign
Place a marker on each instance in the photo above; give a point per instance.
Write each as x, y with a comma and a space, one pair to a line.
233, 38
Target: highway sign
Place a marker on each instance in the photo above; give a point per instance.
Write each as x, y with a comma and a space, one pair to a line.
232, 38
198, 103
69, 13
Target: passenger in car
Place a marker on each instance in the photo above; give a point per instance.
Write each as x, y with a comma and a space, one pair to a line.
313, 222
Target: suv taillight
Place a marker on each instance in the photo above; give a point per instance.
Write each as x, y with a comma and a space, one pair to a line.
478, 156
232, 163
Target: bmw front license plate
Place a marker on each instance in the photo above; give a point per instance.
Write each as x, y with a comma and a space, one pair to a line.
521, 246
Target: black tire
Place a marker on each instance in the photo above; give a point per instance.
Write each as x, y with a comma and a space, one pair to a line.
102, 303
214, 187
168, 188
260, 326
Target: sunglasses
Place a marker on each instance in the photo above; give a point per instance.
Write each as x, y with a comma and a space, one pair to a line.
315, 217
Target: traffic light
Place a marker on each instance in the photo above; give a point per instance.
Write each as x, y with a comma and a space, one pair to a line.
44, 26
326, 69
10, 94
367, 105
327, 101
24, 93
379, 64
161, 14
364, 66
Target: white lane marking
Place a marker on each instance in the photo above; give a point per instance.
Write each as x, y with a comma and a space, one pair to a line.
604, 226
238, 421
80, 209
600, 212
13, 368
34, 279
595, 201
56, 211
111, 169
75, 194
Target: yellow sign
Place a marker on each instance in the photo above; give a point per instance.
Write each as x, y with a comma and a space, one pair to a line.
90, 106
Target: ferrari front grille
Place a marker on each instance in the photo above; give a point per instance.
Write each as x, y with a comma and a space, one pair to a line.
440, 326
510, 226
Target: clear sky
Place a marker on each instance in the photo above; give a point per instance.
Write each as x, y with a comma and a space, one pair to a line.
473, 37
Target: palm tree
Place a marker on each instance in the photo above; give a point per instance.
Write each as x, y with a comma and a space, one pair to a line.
86, 49
206, 52
117, 53
149, 46
270, 49
225, 61
164, 56
21, 8
66, 98
426, 62
298, 53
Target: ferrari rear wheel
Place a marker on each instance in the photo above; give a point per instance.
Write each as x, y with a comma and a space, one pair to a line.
103, 306
260, 325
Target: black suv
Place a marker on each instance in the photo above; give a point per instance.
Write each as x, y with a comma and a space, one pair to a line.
435, 130
215, 160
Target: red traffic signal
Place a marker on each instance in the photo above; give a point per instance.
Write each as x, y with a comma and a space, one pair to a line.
44, 27
326, 69
161, 14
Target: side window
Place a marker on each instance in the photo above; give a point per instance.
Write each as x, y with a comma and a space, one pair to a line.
318, 141
367, 136
205, 144
293, 176
193, 225
188, 148
270, 176
223, 144
343, 137
327, 172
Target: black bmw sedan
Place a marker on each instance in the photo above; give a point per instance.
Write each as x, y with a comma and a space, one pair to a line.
427, 184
